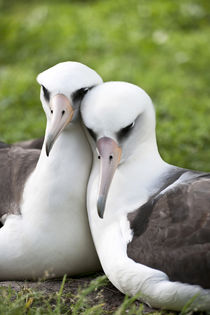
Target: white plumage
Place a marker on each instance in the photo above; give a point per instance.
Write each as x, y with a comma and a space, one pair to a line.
51, 236
127, 174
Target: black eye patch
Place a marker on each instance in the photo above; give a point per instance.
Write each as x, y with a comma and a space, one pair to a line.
92, 133
46, 93
125, 131
79, 94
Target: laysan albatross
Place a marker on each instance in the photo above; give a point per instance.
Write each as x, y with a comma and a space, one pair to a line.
150, 221
45, 229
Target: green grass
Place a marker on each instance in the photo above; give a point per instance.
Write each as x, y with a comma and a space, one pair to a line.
163, 46
160, 45
35, 302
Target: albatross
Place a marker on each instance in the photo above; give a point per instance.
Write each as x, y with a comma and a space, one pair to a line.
150, 221
45, 230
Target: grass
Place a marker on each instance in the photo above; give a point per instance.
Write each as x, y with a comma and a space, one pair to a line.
163, 46
160, 45
32, 302
85, 301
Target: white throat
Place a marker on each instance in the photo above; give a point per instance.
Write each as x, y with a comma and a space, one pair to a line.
66, 168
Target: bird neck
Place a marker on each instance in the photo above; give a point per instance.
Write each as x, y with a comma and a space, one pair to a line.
64, 173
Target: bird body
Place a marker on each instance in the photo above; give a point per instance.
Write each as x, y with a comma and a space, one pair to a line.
51, 235
142, 211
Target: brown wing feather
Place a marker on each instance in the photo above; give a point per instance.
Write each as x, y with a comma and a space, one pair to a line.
172, 232
31, 144
16, 164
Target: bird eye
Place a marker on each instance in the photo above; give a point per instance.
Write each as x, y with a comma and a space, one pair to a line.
124, 131
92, 133
46, 93
79, 94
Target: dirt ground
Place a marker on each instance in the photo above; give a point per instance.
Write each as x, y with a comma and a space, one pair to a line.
110, 296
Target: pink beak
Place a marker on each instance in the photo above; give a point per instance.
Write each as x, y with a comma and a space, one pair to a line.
109, 155
62, 113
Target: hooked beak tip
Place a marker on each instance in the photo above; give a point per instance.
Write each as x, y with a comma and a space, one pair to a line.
49, 144
101, 206
47, 151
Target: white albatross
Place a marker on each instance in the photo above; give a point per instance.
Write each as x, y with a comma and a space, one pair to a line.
150, 221
45, 230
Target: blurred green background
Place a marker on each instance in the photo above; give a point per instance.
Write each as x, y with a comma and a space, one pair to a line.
161, 45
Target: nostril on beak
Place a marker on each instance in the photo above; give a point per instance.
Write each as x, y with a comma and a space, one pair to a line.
99, 157
110, 157
51, 111
63, 112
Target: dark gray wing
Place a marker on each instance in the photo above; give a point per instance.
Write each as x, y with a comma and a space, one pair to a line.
4, 145
31, 144
172, 232
16, 164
